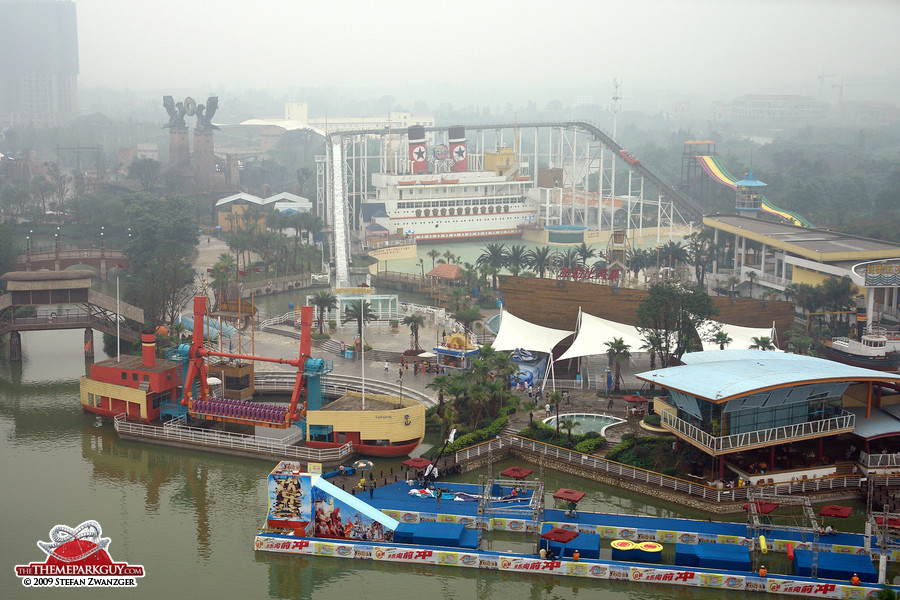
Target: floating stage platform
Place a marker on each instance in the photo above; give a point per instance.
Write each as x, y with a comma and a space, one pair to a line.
402, 522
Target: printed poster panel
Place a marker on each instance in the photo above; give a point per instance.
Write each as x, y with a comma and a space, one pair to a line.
707, 538
732, 539
625, 533
645, 535
666, 537
608, 533
531, 565
487, 561
577, 569
446, 518
650, 575
314, 467
458, 559
428, 517
815, 590
619, 572
508, 524
363, 551
324, 548
408, 555
781, 545
688, 538
334, 518
279, 544
467, 522
598, 571
290, 499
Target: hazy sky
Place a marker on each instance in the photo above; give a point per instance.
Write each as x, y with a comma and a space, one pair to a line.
511, 51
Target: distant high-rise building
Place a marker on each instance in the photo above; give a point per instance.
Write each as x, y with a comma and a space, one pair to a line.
38, 62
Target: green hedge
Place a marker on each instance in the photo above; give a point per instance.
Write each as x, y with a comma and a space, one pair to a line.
652, 420
480, 435
590, 446
321, 336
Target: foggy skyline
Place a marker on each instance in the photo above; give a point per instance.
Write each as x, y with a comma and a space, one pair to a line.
464, 52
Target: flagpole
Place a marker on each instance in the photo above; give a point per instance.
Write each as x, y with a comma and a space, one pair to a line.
362, 350
118, 322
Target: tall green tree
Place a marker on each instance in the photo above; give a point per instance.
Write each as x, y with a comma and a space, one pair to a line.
618, 352
701, 250
673, 313
161, 254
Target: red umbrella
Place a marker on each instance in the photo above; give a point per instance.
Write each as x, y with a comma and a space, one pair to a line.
762, 507
416, 463
833, 510
517, 472
563, 536
567, 494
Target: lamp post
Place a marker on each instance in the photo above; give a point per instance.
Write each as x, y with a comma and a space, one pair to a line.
102, 239
400, 381
57, 238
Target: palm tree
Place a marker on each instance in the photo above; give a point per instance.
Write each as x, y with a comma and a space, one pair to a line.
324, 301
653, 345
732, 282
433, 254
751, 277
673, 253
887, 593
516, 258
569, 424
569, 259
414, 322
359, 311
440, 384
618, 352
638, 260
540, 259
722, 339
493, 255
762, 343
585, 253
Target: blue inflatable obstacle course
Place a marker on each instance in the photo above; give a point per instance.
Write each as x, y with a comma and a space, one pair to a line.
436, 534
719, 556
835, 566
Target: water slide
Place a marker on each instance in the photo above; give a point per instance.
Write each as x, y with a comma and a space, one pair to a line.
353, 503
718, 173
339, 213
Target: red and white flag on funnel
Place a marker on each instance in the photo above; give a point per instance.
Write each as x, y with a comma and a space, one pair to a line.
418, 155
457, 139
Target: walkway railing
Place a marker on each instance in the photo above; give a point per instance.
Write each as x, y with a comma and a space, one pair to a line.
337, 385
650, 479
738, 441
873, 461
233, 441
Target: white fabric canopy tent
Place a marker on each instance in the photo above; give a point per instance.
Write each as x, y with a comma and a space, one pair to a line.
594, 331
741, 337
518, 333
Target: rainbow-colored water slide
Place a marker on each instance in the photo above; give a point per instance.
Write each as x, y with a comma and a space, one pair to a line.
718, 173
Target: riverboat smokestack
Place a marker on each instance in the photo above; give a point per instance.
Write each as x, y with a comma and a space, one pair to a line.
148, 349
418, 155
458, 152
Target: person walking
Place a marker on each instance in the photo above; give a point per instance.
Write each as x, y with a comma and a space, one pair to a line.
400, 373
372, 489
386, 367
437, 496
547, 409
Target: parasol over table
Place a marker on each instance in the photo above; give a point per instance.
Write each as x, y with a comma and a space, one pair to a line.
833, 510
416, 463
364, 465
517, 472
563, 536
762, 508
570, 495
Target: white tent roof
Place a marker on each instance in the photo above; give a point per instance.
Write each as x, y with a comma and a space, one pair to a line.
741, 337
594, 331
517, 333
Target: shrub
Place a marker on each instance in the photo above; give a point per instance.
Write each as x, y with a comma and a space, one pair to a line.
590, 435
320, 336
590, 446
652, 420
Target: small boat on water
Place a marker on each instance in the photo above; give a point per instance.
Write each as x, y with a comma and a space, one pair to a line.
874, 350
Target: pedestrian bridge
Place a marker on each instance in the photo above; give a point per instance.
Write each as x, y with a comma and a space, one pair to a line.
46, 300
101, 260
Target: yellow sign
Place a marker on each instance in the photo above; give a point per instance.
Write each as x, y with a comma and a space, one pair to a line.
354, 290
882, 269
314, 468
